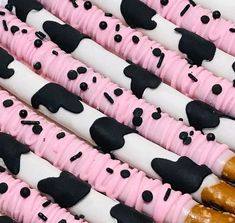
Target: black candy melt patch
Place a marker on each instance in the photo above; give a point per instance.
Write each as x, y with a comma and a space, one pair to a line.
6, 219
141, 79
11, 151
23, 7
65, 36
183, 175
195, 47
109, 134
67, 190
131, 11
5, 60
54, 96
124, 214
202, 115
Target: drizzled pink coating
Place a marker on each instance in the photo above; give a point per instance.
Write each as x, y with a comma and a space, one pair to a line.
26, 209
174, 70
92, 165
164, 131
217, 30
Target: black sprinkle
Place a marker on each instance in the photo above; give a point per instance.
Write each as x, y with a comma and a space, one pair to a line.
192, 77
186, 8
232, 30
37, 129
40, 35
205, 19
62, 221
42, 216
14, 29
157, 52
135, 39
180, 119
192, 3
159, 110
37, 66
187, 141
107, 14
210, 137
161, 60
118, 92
217, 89
147, 196
125, 173
2, 169
7, 103
46, 204
77, 156
109, 170
81, 70
2, 13
117, 28
83, 86
216, 14
183, 135
60, 135
156, 115
72, 75
103, 25
87, 5
74, 3
55, 52
23, 113
108, 97
138, 112
167, 194
38, 43
164, 2
25, 192
28, 122
24, 31
4, 23
233, 83
137, 121
3, 188
191, 133
118, 38
94, 79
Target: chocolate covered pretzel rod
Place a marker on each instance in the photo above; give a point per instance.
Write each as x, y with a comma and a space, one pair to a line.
142, 83
183, 141
197, 50
63, 187
220, 9
193, 81
105, 174
189, 15
26, 205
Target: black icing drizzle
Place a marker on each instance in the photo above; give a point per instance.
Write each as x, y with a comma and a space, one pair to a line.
183, 175
137, 14
6, 219
195, 47
124, 214
202, 115
54, 96
5, 60
109, 134
65, 36
141, 79
67, 190
11, 151
23, 7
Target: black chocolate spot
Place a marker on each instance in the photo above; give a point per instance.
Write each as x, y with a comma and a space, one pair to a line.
141, 79
54, 96
131, 11
183, 175
5, 60
11, 151
109, 134
6, 219
124, 214
67, 190
65, 36
195, 47
23, 7
202, 115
